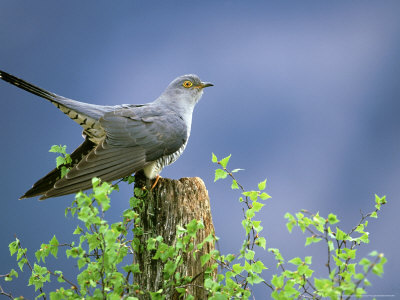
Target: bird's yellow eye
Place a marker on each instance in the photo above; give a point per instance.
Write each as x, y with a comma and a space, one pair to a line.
187, 84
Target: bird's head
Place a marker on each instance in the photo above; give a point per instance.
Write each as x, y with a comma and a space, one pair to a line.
187, 86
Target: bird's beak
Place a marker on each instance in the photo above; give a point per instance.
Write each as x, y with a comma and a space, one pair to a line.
205, 84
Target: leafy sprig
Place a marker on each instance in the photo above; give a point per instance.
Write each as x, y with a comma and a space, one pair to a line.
63, 161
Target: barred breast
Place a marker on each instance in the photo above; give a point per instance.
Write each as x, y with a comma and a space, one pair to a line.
153, 169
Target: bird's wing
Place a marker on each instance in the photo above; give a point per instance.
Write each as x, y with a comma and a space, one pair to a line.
158, 130
134, 138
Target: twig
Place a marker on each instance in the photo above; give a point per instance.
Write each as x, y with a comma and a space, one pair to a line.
2, 292
28, 263
328, 264
378, 258
75, 288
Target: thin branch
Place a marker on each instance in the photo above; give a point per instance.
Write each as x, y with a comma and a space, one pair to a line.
2, 292
363, 217
75, 288
378, 258
328, 264
28, 263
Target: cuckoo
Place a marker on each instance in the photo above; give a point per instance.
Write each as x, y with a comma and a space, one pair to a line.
120, 140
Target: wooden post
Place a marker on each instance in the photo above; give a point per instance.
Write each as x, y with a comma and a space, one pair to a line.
172, 203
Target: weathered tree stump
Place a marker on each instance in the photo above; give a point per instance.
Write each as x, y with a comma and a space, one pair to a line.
172, 203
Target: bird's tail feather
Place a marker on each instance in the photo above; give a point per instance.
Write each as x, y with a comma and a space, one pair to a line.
29, 87
85, 114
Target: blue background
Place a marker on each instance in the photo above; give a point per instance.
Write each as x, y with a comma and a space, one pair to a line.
306, 94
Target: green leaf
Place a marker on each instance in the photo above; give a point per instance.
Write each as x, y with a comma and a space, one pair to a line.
156, 295
39, 276
332, 219
304, 269
13, 273
249, 255
224, 161
351, 254
291, 221
21, 252
13, 247
64, 171
214, 158
262, 185
364, 262
277, 281
340, 235
374, 214
323, 285
60, 161
236, 170
193, 226
331, 246
10, 275
359, 292
250, 213
379, 200
95, 181
296, 261
54, 246
364, 238
258, 266
133, 268
237, 268
261, 242
252, 194
312, 239
58, 149
257, 206
254, 279
264, 196
68, 158
338, 262
169, 268
38, 254
41, 295
373, 253
78, 230
81, 263
230, 257
351, 268
219, 296
22, 263
276, 252
248, 267
257, 227
307, 260
234, 185
205, 258
220, 174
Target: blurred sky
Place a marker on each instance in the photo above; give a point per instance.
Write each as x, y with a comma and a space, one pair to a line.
306, 95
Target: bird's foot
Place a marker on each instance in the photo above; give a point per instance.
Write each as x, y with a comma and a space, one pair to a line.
155, 182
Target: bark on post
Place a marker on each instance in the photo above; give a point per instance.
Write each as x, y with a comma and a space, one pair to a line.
172, 203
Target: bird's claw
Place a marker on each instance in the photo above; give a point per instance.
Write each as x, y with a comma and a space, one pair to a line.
155, 182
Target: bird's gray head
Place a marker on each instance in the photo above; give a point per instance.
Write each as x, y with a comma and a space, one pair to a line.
187, 86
